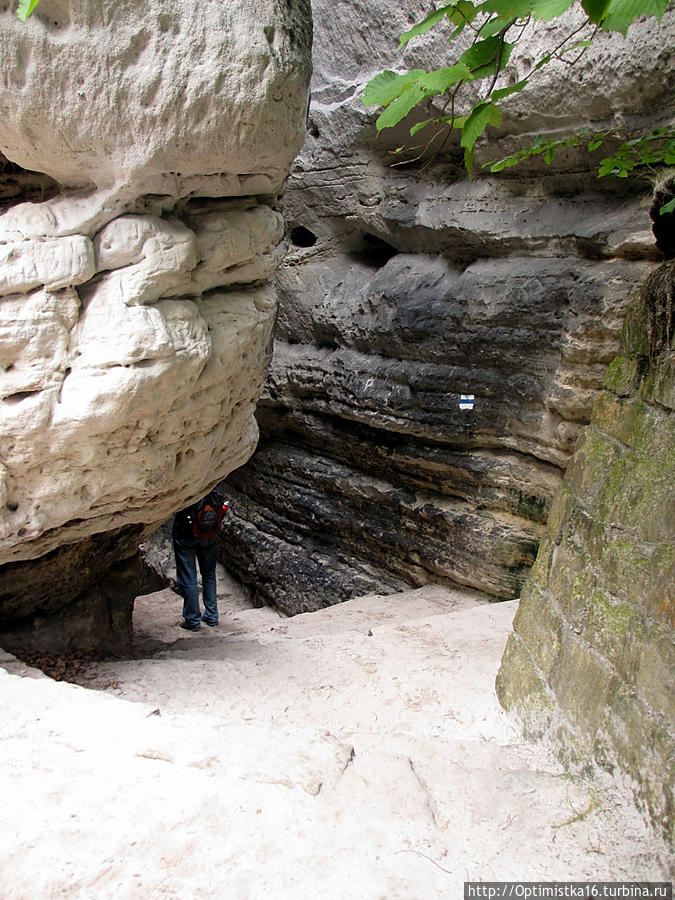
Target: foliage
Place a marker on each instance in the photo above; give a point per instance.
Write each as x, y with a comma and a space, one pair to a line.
495, 27
25, 8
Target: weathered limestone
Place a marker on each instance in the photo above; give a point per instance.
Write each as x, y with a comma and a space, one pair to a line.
405, 290
134, 315
590, 663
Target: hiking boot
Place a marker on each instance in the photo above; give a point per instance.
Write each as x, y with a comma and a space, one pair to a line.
189, 627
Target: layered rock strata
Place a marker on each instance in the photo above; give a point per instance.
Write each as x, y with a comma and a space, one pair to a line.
440, 341
590, 663
145, 148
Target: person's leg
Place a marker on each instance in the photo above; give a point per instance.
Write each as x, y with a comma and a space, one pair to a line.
207, 554
186, 580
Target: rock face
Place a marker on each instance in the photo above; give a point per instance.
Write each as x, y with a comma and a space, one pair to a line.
590, 663
137, 234
440, 342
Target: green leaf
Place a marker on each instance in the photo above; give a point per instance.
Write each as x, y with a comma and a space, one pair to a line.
481, 58
427, 23
622, 13
507, 9
468, 159
439, 81
463, 13
25, 8
481, 116
385, 87
667, 207
400, 107
481, 53
595, 143
506, 163
513, 89
420, 125
595, 9
549, 9
494, 26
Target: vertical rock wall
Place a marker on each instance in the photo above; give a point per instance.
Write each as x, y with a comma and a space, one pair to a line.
144, 148
406, 290
591, 664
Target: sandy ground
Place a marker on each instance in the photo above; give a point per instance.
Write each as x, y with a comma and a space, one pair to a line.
357, 752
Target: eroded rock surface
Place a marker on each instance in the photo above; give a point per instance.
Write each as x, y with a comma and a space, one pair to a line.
135, 312
406, 290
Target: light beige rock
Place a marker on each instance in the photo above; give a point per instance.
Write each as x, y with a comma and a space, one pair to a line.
182, 88
53, 264
128, 372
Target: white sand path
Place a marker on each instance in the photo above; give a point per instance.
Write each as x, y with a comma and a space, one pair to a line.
358, 752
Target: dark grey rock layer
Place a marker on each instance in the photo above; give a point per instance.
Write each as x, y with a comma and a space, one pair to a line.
404, 291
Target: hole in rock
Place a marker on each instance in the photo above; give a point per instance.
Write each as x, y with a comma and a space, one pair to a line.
302, 237
19, 185
373, 250
20, 396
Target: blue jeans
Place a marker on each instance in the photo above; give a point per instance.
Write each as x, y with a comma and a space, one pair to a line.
187, 549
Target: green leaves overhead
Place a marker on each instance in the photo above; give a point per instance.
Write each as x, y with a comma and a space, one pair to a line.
385, 87
400, 107
490, 24
483, 114
618, 15
550, 9
25, 8
622, 13
595, 10
425, 25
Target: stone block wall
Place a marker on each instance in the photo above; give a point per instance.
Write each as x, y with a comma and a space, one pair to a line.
590, 663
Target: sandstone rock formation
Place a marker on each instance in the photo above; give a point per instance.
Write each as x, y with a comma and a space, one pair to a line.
143, 151
407, 290
590, 663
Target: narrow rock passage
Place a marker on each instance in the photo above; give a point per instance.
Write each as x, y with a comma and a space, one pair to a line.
357, 752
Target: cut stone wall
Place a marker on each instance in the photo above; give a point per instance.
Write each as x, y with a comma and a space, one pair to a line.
143, 151
591, 662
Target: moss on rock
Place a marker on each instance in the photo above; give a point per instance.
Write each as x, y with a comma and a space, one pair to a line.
591, 663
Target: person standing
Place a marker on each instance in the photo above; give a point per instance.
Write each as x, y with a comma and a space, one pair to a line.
195, 541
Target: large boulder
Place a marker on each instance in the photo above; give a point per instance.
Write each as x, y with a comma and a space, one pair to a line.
407, 289
144, 148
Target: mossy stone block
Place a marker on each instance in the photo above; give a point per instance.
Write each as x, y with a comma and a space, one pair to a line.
630, 421
583, 684
624, 565
660, 387
660, 599
622, 376
563, 503
540, 570
593, 458
571, 582
644, 749
521, 690
539, 628
611, 629
639, 493
635, 332
655, 675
